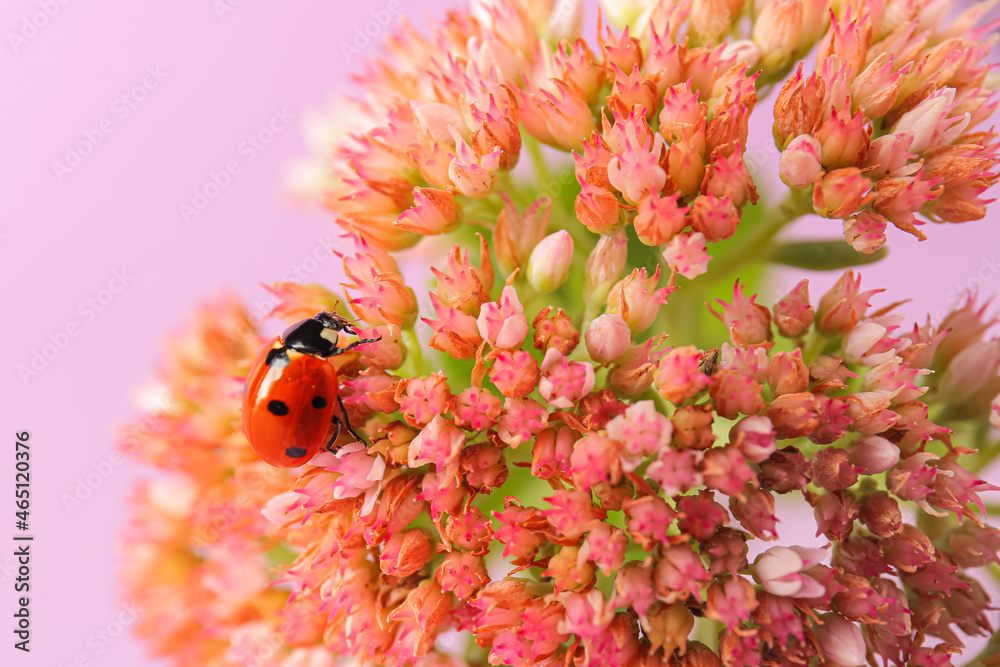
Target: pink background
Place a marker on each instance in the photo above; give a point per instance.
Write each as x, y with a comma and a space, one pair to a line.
62, 239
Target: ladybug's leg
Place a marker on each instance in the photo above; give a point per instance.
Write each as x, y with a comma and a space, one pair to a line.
336, 434
341, 350
347, 421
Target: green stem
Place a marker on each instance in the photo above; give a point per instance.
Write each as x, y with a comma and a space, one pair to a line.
414, 365
542, 173
759, 248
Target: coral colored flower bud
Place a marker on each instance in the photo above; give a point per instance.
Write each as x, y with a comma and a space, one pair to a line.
433, 212
800, 164
548, 266
607, 338
716, 218
841, 641
503, 325
734, 393
841, 193
794, 415
633, 374
384, 299
873, 454
461, 573
598, 210
516, 234
659, 218
844, 139
679, 376
841, 308
793, 314
748, 323
556, 331
667, 627
787, 373
514, 373
637, 300
776, 32
799, 108
693, 427
405, 553
687, 254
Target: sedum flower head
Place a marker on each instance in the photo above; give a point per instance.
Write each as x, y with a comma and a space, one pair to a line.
566, 458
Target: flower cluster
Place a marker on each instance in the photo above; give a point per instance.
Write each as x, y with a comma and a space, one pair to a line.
887, 126
558, 466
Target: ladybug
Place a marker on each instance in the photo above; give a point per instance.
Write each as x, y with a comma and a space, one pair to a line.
291, 398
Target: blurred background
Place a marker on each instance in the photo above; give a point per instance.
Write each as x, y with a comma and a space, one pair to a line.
144, 155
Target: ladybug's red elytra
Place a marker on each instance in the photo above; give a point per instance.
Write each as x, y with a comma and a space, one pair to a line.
291, 399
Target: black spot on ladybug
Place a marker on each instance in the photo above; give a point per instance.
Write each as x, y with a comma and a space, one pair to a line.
277, 408
319, 402
295, 452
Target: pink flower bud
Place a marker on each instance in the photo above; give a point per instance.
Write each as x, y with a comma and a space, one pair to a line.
841, 641
970, 370
793, 314
461, 573
929, 124
503, 325
678, 375
548, 266
841, 193
433, 212
514, 373
873, 454
844, 139
607, 338
687, 254
637, 300
799, 164
754, 437
781, 571
563, 383
748, 323
866, 232
734, 393
604, 266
